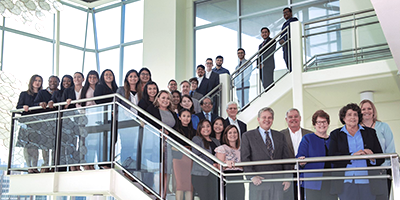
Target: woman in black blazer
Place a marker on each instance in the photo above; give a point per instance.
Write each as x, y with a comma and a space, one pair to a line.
353, 139
44, 96
107, 85
144, 78
71, 92
150, 92
66, 82
161, 109
26, 100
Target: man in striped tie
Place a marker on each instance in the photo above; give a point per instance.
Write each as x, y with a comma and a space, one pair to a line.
262, 144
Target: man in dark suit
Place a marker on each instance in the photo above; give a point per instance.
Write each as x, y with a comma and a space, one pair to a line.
266, 65
262, 144
293, 135
203, 86
206, 106
287, 14
232, 110
210, 75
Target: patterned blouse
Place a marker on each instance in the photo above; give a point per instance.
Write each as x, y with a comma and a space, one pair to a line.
230, 155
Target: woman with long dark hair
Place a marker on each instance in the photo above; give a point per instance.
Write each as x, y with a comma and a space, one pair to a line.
106, 85
129, 90
26, 100
218, 129
144, 77
181, 163
204, 182
187, 102
92, 79
66, 82
73, 92
150, 92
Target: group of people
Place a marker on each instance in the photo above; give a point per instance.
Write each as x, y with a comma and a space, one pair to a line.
190, 112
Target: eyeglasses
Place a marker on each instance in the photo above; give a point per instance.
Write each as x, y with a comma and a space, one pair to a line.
322, 122
207, 103
144, 74
209, 63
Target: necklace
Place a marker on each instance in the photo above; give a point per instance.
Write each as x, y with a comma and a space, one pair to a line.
369, 126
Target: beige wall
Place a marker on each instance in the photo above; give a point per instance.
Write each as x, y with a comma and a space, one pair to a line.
167, 40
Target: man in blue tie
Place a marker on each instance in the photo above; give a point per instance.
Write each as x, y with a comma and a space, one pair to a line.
206, 107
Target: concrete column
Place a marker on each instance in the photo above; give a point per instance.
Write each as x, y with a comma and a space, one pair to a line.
297, 66
168, 40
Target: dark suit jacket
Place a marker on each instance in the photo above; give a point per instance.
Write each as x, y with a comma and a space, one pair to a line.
198, 169
204, 87
253, 148
286, 133
242, 126
213, 80
69, 93
102, 89
195, 95
339, 146
56, 96
42, 96
201, 116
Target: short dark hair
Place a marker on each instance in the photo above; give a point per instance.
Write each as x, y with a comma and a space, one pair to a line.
242, 50
265, 28
219, 57
209, 59
287, 8
350, 106
171, 81
194, 79
206, 97
322, 114
201, 66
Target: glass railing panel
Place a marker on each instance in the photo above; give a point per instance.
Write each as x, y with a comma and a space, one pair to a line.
272, 186
187, 175
333, 184
34, 142
86, 136
137, 148
344, 40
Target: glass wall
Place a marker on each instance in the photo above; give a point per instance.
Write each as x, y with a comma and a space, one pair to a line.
85, 35
223, 26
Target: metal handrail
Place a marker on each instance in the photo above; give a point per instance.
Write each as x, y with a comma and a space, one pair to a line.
340, 16
209, 94
145, 113
245, 65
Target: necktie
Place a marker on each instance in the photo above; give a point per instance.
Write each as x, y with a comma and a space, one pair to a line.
208, 117
268, 143
265, 42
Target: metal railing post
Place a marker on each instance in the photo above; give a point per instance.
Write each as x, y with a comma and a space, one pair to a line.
355, 37
395, 177
58, 139
162, 164
114, 131
221, 183
10, 150
298, 181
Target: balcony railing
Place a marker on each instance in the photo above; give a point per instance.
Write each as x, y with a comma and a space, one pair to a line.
110, 135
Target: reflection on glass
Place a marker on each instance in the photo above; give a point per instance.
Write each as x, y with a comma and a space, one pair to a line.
86, 135
34, 142
212, 11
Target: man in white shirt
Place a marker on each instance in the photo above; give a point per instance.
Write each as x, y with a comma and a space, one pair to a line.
232, 110
210, 75
293, 135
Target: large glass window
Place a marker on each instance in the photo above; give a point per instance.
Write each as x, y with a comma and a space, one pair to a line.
214, 18
217, 40
108, 24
